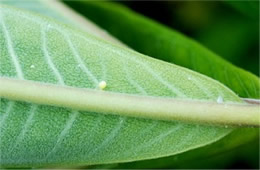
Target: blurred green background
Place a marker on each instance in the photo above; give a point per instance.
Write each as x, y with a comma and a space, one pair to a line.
229, 28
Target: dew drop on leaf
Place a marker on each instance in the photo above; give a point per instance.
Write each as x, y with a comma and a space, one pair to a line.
220, 99
48, 26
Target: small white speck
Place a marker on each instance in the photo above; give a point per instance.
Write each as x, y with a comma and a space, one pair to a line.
32, 66
189, 78
220, 99
48, 26
102, 85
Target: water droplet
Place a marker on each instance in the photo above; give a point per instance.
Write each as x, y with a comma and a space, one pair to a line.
48, 26
220, 99
32, 66
102, 85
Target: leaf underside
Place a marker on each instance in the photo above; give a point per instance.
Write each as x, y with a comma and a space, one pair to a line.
38, 49
161, 42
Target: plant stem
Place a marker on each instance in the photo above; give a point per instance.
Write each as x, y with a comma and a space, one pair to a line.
131, 105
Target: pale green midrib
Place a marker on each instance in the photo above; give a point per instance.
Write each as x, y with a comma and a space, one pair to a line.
251, 101
157, 108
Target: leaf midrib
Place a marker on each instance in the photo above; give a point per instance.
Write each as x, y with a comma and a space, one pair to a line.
157, 108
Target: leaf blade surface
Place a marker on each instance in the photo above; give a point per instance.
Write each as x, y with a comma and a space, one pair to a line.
37, 49
167, 44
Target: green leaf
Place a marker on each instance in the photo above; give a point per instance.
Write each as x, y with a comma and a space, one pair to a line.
248, 8
62, 13
151, 38
32, 135
240, 54
40, 7
230, 143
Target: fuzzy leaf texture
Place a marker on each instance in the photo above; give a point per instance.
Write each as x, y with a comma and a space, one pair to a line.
59, 11
161, 42
39, 49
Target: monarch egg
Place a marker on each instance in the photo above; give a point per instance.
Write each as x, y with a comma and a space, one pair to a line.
102, 85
